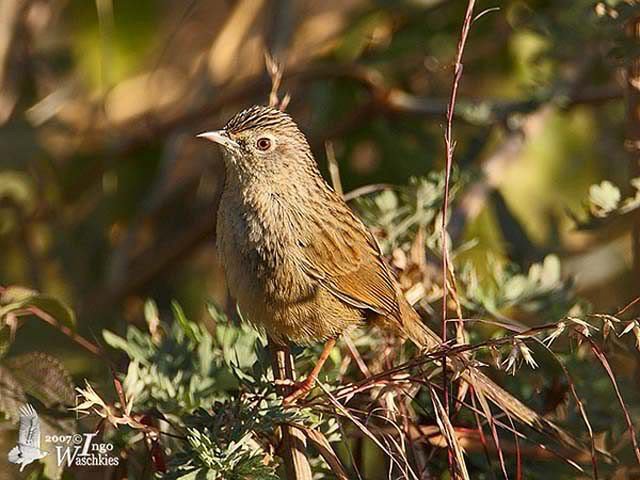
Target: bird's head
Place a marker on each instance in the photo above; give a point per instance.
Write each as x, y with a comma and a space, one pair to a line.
262, 140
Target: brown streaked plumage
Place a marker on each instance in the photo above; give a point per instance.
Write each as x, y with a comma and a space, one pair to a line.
301, 265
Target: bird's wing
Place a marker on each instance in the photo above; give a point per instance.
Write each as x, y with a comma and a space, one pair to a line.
344, 257
29, 433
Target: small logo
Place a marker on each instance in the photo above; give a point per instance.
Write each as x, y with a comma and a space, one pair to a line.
28, 448
82, 451
77, 449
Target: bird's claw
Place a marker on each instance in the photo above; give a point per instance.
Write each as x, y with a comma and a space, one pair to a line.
301, 390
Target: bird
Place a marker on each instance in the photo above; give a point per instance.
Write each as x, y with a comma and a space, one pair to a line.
28, 448
303, 267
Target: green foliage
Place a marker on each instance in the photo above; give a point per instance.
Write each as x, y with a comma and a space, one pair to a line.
207, 460
542, 288
400, 212
184, 367
226, 443
216, 390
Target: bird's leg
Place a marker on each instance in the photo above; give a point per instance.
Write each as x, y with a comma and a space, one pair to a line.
304, 387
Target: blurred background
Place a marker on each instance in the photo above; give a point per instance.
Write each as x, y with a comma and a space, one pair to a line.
106, 197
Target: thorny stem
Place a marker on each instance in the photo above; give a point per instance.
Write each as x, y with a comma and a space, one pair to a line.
449, 146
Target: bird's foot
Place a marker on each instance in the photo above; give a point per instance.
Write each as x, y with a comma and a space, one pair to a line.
300, 390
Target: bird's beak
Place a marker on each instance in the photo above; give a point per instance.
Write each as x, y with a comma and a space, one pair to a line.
220, 137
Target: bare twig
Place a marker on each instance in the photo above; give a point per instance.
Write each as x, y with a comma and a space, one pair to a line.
449, 146
581, 408
341, 410
275, 71
294, 445
486, 409
353, 351
453, 445
627, 306
334, 169
573, 462
597, 351
323, 446
79, 339
518, 452
481, 436
367, 190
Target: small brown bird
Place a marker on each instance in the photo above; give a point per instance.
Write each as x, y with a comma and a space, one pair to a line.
302, 266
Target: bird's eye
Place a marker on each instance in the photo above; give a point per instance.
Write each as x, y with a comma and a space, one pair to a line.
263, 144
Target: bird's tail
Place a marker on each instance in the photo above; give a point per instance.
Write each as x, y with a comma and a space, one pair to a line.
423, 337
14, 455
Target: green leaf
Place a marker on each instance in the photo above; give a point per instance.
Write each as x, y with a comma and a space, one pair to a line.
131, 348
54, 307
189, 328
217, 314
20, 298
114, 340
151, 315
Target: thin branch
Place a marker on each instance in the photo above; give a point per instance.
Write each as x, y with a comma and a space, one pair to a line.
79, 339
334, 169
294, 445
627, 306
457, 75
367, 190
323, 446
275, 72
581, 408
607, 367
